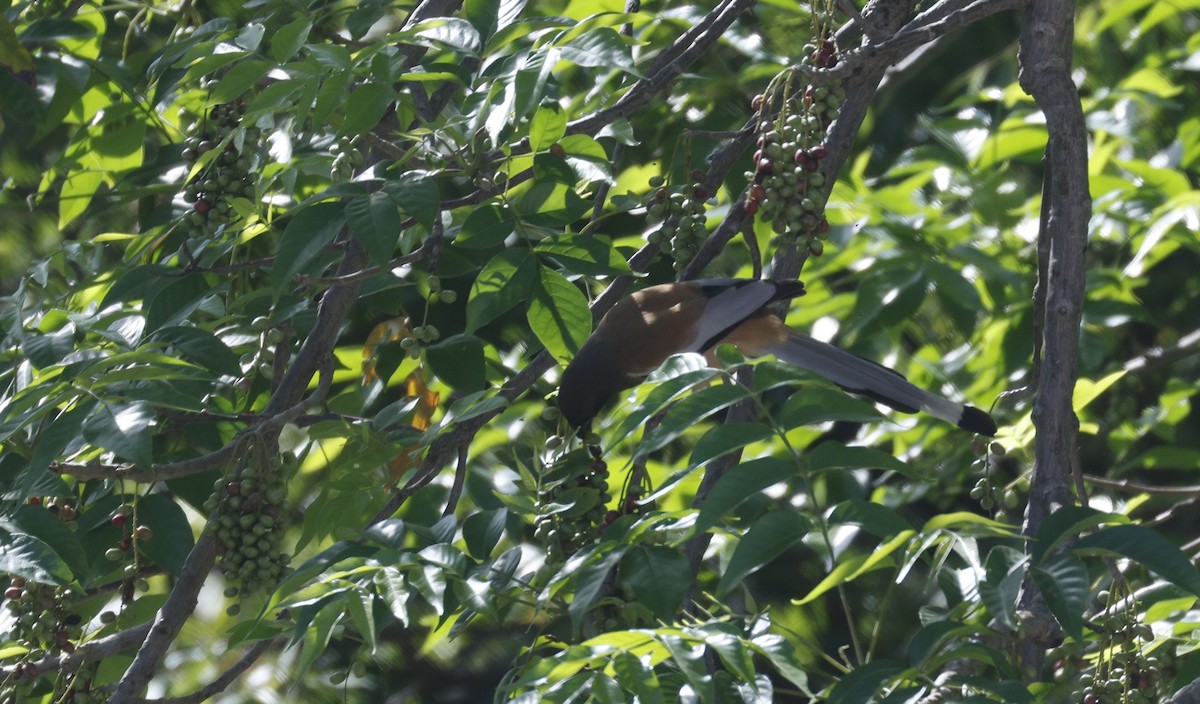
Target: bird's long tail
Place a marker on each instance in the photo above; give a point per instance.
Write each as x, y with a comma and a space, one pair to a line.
862, 376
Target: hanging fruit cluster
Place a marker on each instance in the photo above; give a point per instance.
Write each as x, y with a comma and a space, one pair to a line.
681, 224
45, 622
571, 504
346, 158
788, 185
1125, 672
126, 552
226, 175
246, 513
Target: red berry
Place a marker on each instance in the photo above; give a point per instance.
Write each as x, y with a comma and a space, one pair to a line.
699, 193
823, 226
817, 152
812, 165
202, 206
13, 593
35, 501
801, 156
125, 544
757, 193
766, 166
557, 150
233, 488
252, 502
758, 156
698, 175
119, 520
752, 207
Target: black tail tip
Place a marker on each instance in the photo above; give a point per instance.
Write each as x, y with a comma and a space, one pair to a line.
977, 421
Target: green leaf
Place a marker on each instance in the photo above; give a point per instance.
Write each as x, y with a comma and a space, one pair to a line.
637, 678
173, 539
589, 581
877, 519
834, 455
173, 303
682, 373
454, 33
201, 347
863, 683
39, 524
766, 540
393, 589
1066, 523
123, 429
659, 576
289, 39
812, 405
308, 232
23, 555
685, 414
599, 47
375, 221
1146, 547
459, 361
365, 107
548, 126
361, 607
1063, 581
48, 350
486, 227
583, 255
239, 79
725, 438
925, 642
482, 531
417, 194
558, 314
1002, 586
746, 480
851, 568
688, 658
504, 284
782, 654
63, 432
737, 657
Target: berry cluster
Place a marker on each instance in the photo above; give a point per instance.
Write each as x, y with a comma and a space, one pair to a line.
425, 334
679, 217
1125, 673
44, 617
262, 358
225, 176
346, 158
572, 504
44, 9
126, 551
991, 494
787, 183
246, 512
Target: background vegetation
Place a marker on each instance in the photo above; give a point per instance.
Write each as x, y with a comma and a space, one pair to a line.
288, 288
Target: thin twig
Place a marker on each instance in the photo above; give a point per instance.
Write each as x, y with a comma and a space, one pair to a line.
220, 684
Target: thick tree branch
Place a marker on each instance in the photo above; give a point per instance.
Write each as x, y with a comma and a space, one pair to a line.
93, 651
1045, 73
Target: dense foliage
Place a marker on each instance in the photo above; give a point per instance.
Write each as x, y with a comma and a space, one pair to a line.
287, 290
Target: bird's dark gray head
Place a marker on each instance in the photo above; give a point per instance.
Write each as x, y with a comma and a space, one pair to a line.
589, 382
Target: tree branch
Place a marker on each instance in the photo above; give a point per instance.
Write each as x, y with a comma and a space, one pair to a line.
314, 355
1044, 55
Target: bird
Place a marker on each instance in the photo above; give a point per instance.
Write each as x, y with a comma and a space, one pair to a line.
643, 329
